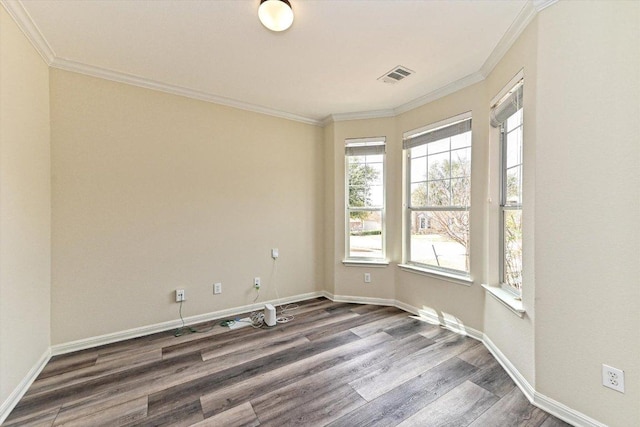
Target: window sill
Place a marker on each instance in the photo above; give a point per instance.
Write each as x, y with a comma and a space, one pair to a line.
509, 300
459, 280
362, 262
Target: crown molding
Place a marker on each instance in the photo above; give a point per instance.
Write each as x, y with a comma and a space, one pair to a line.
17, 11
526, 15
516, 28
77, 67
543, 4
361, 115
440, 93
20, 15
524, 18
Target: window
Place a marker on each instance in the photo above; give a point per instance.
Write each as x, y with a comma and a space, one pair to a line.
507, 115
438, 182
365, 199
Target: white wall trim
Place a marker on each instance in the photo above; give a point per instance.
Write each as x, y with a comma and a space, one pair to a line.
538, 399
360, 115
445, 322
7, 406
441, 92
364, 300
564, 412
172, 324
523, 19
515, 375
22, 18
526, 15
120, 77
26, 24
32, 32
543, 4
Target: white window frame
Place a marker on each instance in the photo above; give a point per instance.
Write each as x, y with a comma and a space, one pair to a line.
514, 98
458, 276
354, 146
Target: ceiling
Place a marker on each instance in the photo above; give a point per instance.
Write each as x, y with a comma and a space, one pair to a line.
326, 65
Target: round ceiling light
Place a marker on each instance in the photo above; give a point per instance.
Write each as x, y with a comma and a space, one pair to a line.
276, 15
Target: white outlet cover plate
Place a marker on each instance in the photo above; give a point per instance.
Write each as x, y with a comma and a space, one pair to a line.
613, 378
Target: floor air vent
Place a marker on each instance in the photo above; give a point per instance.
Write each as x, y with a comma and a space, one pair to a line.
396, 74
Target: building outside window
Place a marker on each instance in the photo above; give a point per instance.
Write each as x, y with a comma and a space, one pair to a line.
438, 200
364, 172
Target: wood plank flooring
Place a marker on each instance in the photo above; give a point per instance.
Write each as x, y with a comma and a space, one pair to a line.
335, 364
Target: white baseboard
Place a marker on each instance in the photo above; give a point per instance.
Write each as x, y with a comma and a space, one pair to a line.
454, 325
173, 324
363, 300
563, 412
515, 375
15, 396
543, 402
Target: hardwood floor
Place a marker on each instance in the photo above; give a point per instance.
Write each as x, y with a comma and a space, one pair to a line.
335, 364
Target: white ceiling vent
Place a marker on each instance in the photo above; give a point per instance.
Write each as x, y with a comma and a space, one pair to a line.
396, 74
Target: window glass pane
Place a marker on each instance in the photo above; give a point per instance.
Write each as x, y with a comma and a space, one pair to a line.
441, 180
461, 162
439, 193
374, 196
375, 173
356, 159
511, 196
357, 196
438, 146
514, 121
419, 194
460, 192
365, 234
514, 147
461, 141
374, 158
419, 169
438, 165
514, 186
365, 182
440, 239
512, 220
418, 151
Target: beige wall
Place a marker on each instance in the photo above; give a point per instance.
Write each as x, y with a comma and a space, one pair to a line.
25, 207
588, 206
153, 192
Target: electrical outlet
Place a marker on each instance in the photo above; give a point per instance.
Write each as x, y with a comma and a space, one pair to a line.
256, 282
217, 288
180, 295
367, 277
613, 378
274, 253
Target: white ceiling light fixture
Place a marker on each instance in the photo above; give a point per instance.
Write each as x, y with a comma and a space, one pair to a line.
276, 15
